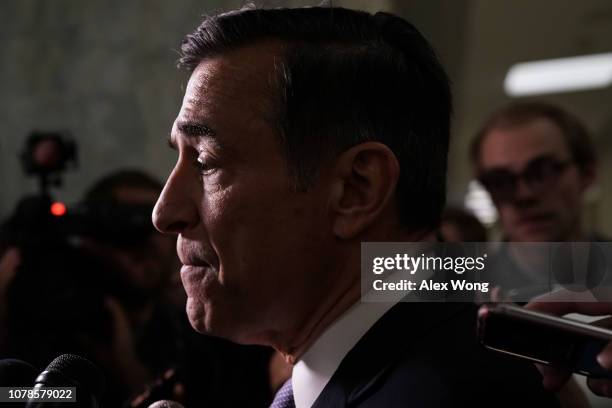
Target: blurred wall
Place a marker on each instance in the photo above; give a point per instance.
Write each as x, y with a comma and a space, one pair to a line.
103, 70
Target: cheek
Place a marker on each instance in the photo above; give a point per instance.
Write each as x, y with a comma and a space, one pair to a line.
507, 215
258, 237
566, 198
240, 223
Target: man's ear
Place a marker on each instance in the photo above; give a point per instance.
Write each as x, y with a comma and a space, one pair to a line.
364, 181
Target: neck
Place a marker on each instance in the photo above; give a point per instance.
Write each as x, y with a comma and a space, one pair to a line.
323, 317
339, 302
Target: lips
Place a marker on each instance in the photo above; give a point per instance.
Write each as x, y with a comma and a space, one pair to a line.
190, 256
194, 253
193, 261
193, 272
199, 266
193, 276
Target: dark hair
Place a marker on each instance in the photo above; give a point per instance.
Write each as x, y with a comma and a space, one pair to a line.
520, 113
105, 189
347, 77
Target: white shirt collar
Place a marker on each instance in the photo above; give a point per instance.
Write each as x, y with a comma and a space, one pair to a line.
318, 364
316, 367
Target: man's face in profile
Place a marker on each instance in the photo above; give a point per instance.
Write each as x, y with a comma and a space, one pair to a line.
536, 185
253, 248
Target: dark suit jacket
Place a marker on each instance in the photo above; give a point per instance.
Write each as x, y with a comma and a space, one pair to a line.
427, 355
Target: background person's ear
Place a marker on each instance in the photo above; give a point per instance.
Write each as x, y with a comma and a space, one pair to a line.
364, 182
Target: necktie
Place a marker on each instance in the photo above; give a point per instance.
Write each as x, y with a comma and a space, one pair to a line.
284, 396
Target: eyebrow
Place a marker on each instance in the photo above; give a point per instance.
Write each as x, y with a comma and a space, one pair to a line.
194, 129
529, 163
191, 130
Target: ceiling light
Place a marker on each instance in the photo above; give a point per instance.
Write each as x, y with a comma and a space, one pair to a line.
559, 75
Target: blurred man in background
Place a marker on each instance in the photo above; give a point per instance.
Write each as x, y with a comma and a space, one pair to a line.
537, 160
148, 258
146, 331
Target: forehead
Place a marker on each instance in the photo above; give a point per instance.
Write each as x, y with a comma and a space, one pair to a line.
515, 146
240, 79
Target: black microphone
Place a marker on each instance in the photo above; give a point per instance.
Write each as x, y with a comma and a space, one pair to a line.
18, 374
166, 404
69, 370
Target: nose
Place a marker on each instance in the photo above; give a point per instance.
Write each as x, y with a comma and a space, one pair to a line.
525, 193
175, 210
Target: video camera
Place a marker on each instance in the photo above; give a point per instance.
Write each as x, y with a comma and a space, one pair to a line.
39, 218
61, 283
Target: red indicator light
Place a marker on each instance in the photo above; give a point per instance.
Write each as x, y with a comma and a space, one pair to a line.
58, 209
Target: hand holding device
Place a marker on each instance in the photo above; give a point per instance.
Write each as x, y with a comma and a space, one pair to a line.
554, 378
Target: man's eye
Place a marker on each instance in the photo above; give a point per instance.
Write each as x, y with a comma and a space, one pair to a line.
204, 167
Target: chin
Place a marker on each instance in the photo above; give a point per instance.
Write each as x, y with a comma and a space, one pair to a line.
532, 238
206, 319
198, 325
196, 312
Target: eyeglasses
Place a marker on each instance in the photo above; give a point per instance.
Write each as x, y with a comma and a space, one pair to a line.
539, 174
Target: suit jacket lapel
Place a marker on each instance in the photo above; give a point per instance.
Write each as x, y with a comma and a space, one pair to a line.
367, 364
